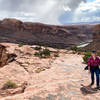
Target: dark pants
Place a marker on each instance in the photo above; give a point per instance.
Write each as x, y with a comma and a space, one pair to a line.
95, 71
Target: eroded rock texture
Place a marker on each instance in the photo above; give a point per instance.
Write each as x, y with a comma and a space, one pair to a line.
13, 30
5, 57
96, 39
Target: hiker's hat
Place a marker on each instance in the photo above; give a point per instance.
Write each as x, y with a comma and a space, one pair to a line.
94, 51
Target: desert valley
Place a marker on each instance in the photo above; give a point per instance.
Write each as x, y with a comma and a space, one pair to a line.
37, 61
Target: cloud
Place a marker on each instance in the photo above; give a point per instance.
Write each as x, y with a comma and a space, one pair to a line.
45, 11
73, 4
85, 12
88, 12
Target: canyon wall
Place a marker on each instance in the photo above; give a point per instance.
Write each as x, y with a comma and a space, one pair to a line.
16, 31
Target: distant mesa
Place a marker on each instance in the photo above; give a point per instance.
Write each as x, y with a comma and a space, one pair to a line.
16, 31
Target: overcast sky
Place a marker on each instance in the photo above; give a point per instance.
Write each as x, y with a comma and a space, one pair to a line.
51, 11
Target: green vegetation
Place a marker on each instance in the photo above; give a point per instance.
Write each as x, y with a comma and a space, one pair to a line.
56, 55
43, 53
74, 48
9, 85
98, 53
42, 44
21, 44
27, 63
59, 47
87, 55
38, 70
46, 52
77, 50
38, 48
37, 54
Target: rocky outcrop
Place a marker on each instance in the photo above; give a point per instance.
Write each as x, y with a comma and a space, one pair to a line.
64, 80
96, 35
13, 30
5, 58
96, 39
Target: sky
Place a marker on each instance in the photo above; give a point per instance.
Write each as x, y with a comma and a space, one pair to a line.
51, 11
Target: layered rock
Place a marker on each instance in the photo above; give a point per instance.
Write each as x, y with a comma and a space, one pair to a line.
96, 39
5, 57
13, 30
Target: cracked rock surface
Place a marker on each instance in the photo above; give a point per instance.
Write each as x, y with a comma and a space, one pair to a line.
62, 78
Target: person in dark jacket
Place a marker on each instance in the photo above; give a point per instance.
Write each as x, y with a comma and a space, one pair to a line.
93, 68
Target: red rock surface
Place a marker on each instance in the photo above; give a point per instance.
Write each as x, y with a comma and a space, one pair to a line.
5, 57
13, 30
95, 44
62, 81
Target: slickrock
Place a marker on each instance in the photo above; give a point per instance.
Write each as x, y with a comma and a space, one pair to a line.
64, 80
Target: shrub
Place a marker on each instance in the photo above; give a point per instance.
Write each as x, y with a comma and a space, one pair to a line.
41, 44
58, 47
46, 52
43, 54
9, 85
38, 70
56, 55
37, 54
98, 53
21, 44
27, 63
86, 56
38, 48
74, 48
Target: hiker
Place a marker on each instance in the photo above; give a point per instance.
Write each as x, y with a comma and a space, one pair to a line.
93, 68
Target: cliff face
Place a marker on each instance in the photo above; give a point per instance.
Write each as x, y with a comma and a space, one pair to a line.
13, 30
5, 57
96, 35
96, 39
